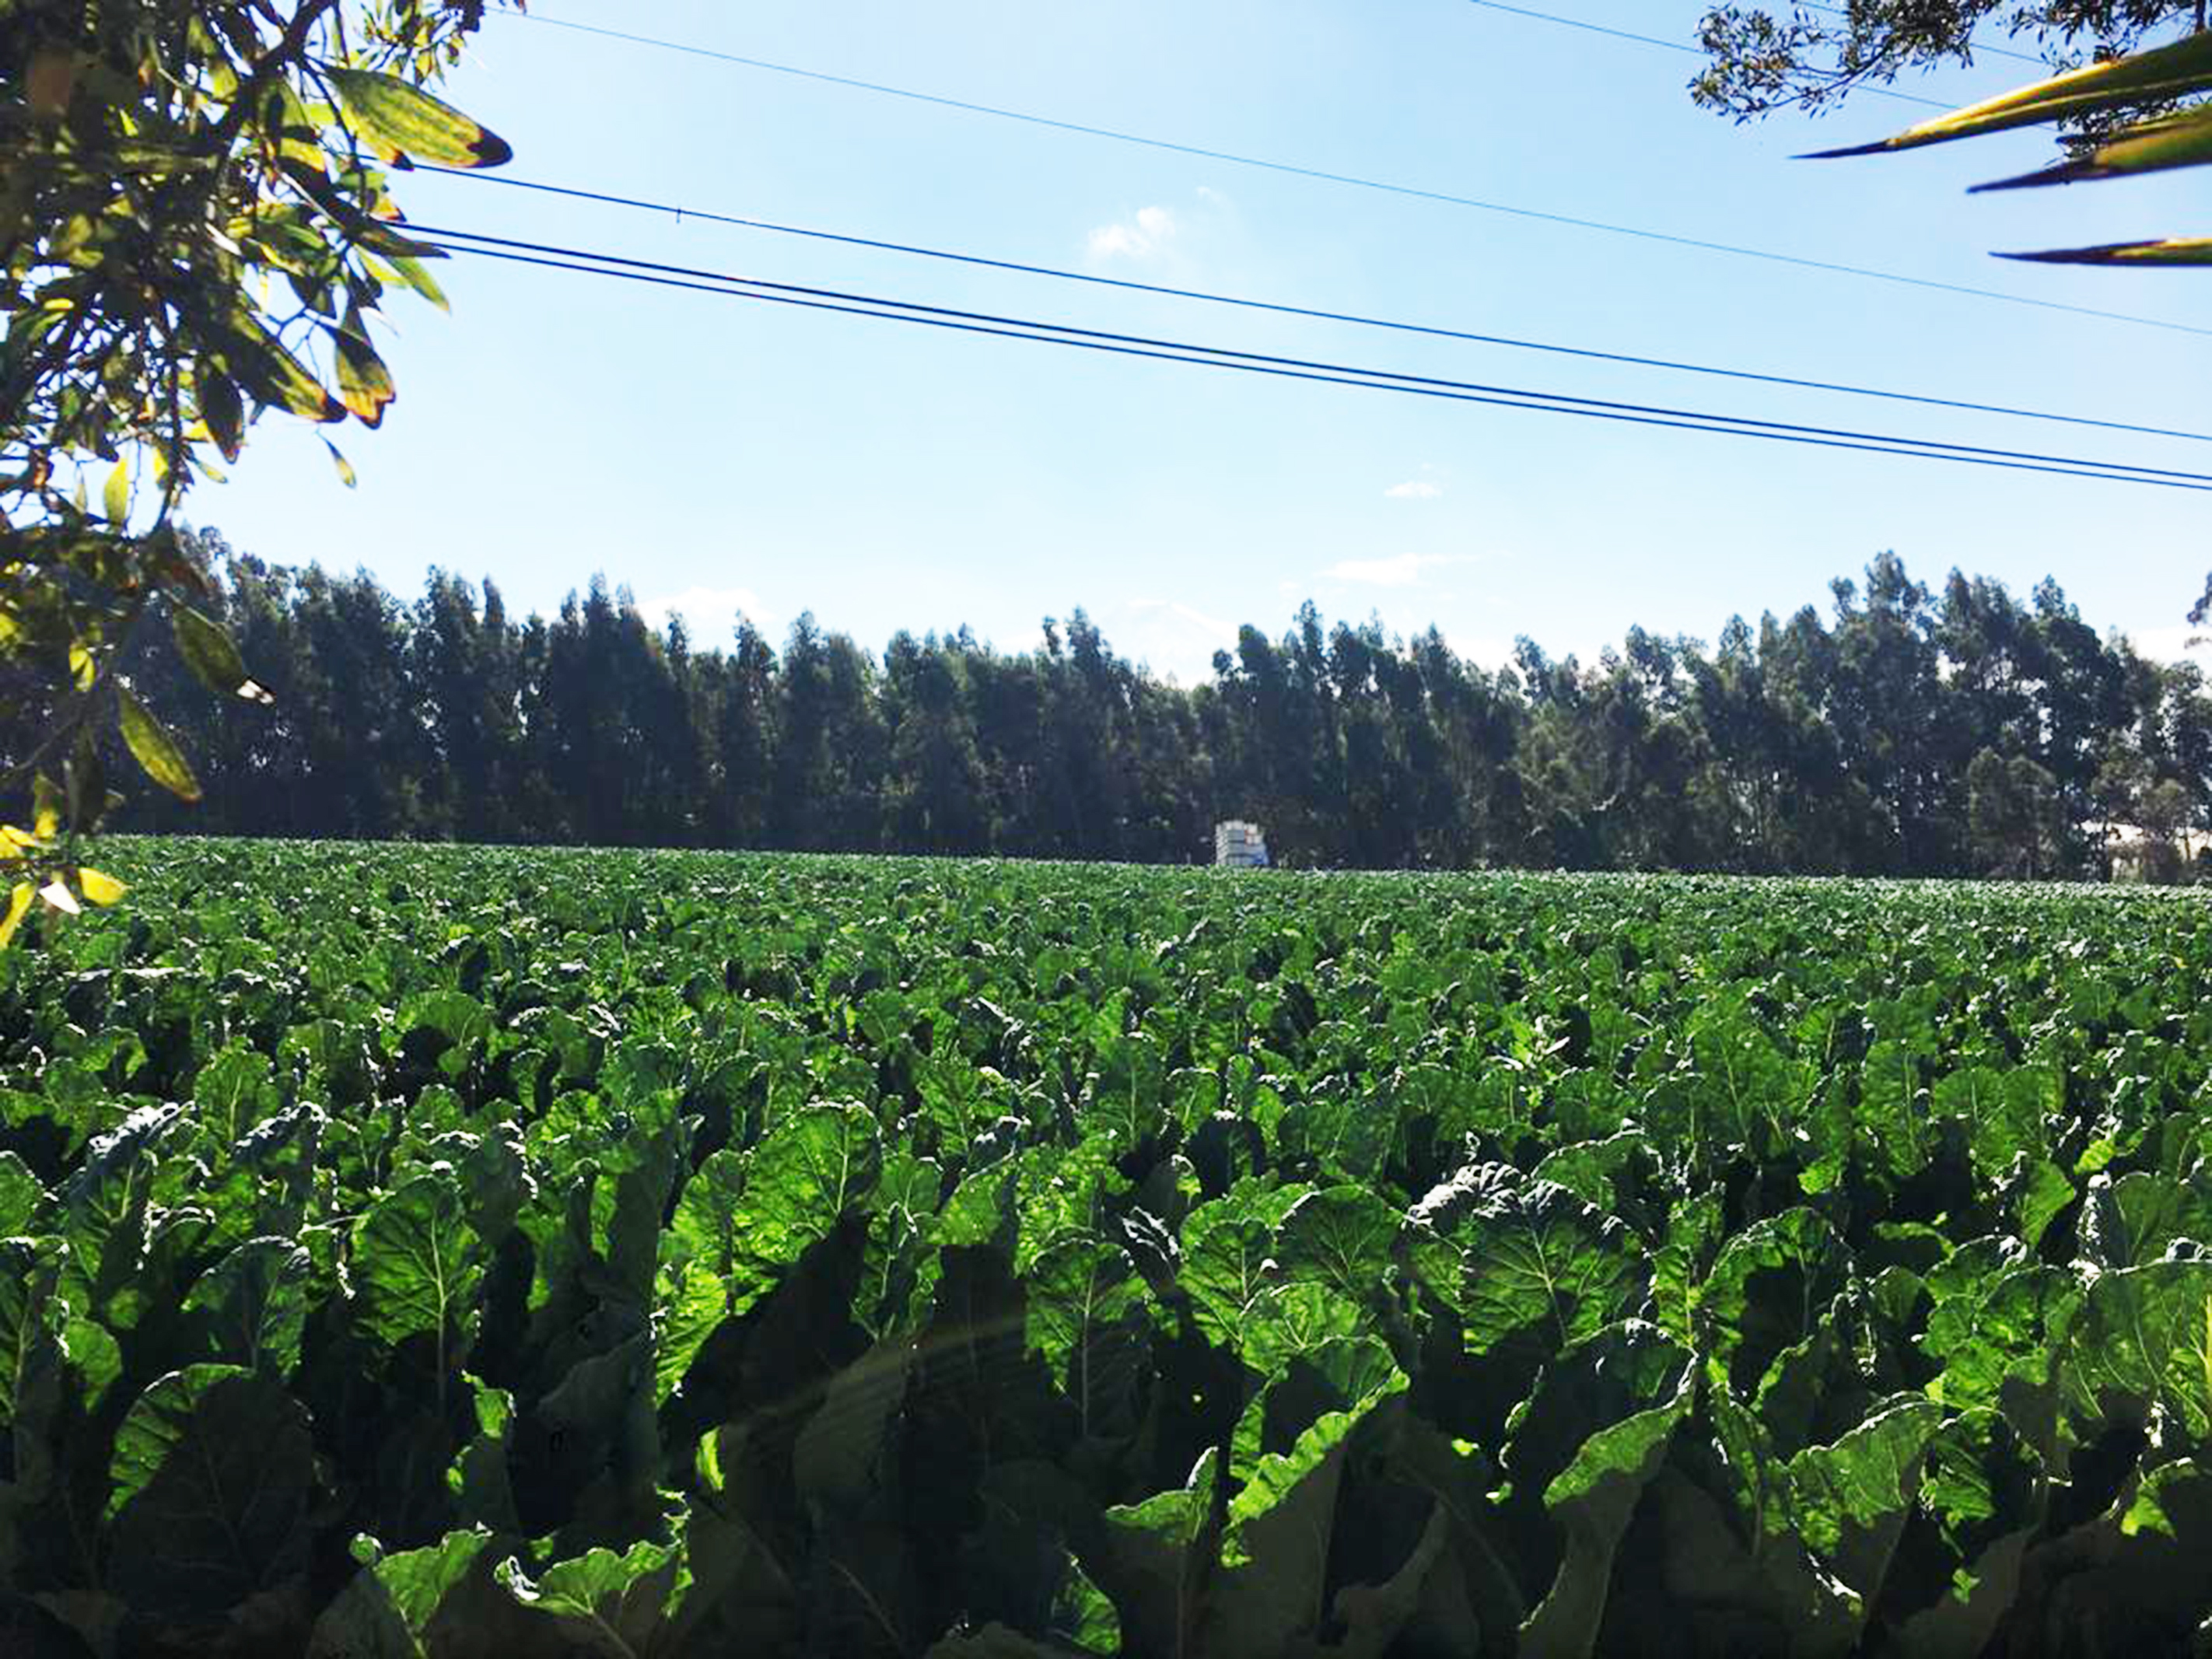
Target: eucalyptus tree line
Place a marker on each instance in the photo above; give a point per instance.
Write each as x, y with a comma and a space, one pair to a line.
1903, 728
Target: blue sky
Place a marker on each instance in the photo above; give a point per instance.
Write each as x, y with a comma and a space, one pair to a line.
714, 454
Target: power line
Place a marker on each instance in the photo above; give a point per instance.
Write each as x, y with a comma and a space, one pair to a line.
655, 273
681, 213
1665, 44
1353, 180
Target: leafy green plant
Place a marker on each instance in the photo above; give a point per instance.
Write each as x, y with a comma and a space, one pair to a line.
432, 1251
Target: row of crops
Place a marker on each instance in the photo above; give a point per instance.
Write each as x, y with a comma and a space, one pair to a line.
494, 1253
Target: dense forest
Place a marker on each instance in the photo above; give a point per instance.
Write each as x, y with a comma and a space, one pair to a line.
1910, 730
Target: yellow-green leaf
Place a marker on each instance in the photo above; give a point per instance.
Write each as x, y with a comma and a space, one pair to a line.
46, 807
364, 383
2172, 141
155, 749
276, 376
18, 905
99, 887
410, 271
407, 122
115, 500
208, 652
347, 476
2181, 251
2142, 78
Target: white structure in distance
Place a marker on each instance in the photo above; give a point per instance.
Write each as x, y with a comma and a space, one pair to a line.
1239, 846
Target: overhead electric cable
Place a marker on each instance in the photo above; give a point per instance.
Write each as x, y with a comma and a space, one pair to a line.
1354, 180
656, 272
1059, 273
1667, 45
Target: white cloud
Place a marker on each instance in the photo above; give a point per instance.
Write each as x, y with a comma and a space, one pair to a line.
1143, 235
1415, 490
1173, 638
1402, 571
710, 614
2170, 644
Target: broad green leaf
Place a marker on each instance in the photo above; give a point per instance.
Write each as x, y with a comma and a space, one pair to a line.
1524, 1263
209, 1487
1087, 1313
255, 1301
744, 1219
1770, 1285
21, 1196
2141, 1340
30, 1352
405, 122
155, 749
480, 1479
416, 1264
386, 1610
1342, 1235
1276, 1546
1154, 1564
1592, 1501
1286, 1321
2148, 1510
1850, 1501
1228, 1258
2131, 1222
608, 1601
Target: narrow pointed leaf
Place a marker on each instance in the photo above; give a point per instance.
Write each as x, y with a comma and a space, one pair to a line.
155, 749
365, 385
208, 652
2166, 72
405, 121
2174, 141
2182, 250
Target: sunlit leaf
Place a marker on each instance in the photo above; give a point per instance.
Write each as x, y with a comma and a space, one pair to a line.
2185, 251
19, 906
2172, 141
407, 122
155, 749
364, 383
2165, 72
99, 887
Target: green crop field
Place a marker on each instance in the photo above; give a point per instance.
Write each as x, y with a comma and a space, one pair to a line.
490, 1253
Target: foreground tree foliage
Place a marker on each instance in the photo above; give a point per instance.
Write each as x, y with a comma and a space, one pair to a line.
1766, 59
1901, 729
195, 230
